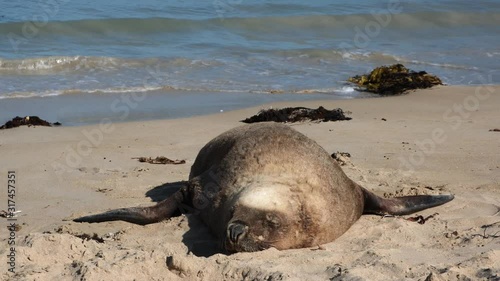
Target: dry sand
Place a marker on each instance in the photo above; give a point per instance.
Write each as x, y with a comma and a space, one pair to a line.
449, 150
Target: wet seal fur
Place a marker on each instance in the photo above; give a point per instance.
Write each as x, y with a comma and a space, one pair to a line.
267, 185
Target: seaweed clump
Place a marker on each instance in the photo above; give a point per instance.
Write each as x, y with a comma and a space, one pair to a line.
27, 121
394, 80
297, 114
160, 160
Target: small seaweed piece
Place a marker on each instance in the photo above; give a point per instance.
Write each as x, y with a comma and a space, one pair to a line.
159, 160
487, 236
86, 237
421, 219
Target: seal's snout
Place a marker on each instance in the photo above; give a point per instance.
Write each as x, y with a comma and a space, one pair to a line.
236, 231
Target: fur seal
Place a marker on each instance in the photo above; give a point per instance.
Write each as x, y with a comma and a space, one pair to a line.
266, 185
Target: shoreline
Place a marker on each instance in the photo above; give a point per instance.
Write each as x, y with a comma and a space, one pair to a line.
432, 141
89, 109
156, 106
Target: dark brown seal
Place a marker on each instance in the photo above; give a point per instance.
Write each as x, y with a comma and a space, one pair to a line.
267, 185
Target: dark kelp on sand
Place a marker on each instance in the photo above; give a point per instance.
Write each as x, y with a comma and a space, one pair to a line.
27, 121
298, 114
159, 160
394, 79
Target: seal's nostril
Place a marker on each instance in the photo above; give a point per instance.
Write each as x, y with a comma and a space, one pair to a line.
235, 231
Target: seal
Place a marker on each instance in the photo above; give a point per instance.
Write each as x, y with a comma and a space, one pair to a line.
267, 185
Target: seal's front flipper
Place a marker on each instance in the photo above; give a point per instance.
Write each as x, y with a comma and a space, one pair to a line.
140, 215
401, 205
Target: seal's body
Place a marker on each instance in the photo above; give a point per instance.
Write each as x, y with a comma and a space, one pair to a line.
267, 185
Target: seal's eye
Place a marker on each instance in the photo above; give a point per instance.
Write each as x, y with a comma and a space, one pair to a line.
272, 220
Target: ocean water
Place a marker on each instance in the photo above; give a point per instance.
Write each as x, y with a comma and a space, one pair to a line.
80, 61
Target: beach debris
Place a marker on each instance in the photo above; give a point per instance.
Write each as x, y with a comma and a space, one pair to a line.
495, 130
453, 234
160, 160
421, 219
298, 114
394, 80
104, 190
486, 227
27, 121
87, 237
343, 158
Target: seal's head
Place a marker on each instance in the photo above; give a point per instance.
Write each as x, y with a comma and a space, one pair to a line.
255, 231
263, 217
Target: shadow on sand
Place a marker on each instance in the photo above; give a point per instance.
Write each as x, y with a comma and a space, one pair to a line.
198, 239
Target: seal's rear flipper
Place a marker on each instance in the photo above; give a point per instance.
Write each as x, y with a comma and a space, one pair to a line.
401, 205
140, 215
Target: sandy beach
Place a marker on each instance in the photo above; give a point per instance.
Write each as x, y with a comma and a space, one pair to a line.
435, 141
